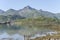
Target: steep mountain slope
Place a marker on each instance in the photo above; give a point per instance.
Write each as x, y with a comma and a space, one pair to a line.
14, 17
29, 12
2, 12
58, 15
47, 14
11, 12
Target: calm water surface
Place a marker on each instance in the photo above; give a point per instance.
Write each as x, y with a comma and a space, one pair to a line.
17, 33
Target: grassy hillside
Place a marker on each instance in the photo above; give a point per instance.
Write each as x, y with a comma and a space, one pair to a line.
40, 22
35, 23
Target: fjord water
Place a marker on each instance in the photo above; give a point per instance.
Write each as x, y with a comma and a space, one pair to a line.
10, 32
18, 32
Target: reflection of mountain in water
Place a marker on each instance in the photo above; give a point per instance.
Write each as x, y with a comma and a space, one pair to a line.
17, 36
14, 37
21, 29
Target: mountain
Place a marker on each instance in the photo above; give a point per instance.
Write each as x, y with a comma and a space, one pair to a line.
11, 12
58, 15
14, 17
29, 12
2, 12
47, 14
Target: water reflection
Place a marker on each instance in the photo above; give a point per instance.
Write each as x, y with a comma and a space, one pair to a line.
15, 32
6, 36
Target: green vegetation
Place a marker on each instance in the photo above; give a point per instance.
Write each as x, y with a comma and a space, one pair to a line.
40, 22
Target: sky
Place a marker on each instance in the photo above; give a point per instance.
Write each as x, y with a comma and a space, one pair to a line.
46, 5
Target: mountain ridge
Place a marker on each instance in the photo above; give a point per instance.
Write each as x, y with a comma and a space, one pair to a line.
29, 12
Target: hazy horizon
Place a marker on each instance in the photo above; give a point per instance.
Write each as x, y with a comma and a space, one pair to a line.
46, 5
